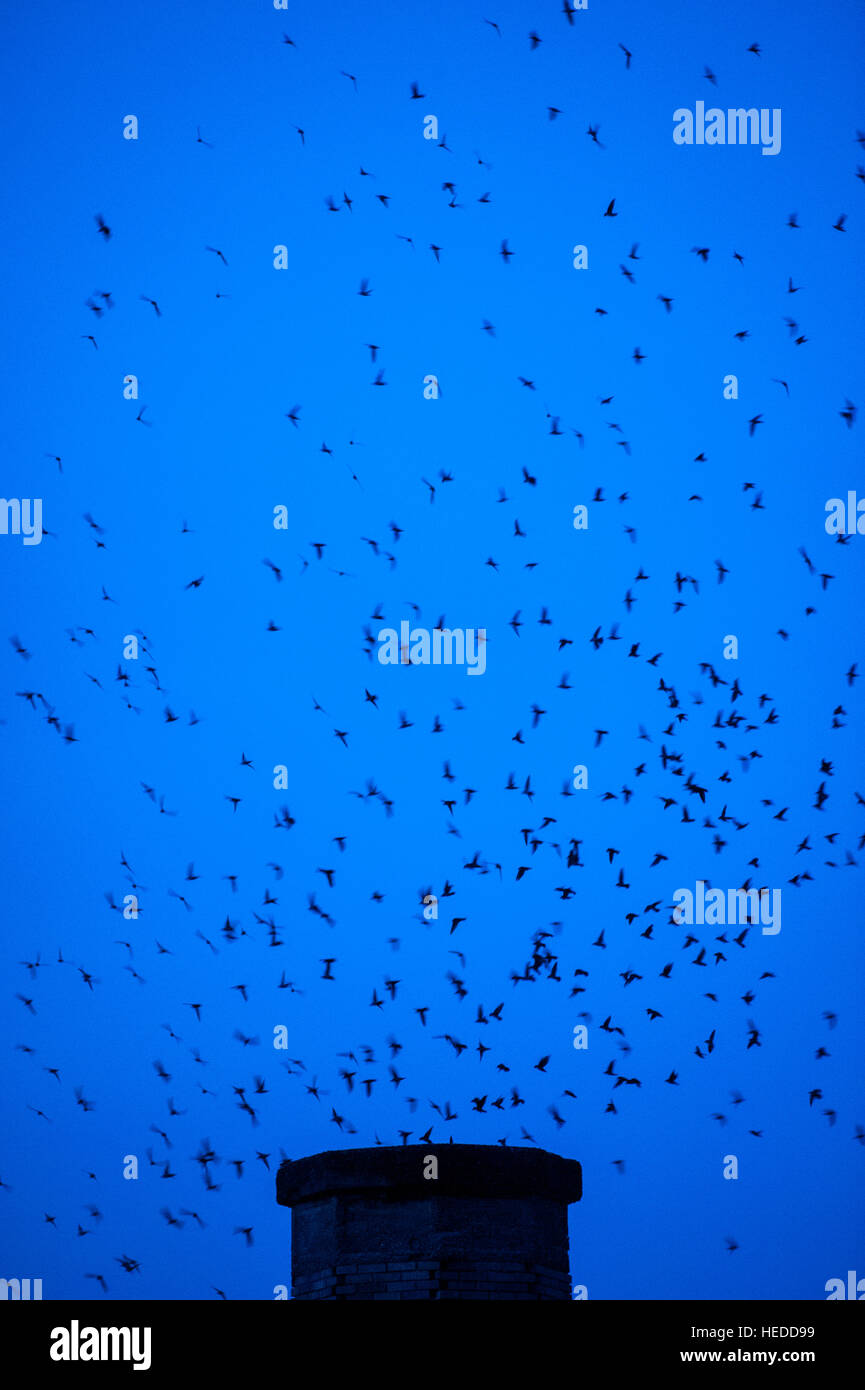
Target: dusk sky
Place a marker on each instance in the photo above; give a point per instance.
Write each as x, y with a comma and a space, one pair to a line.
231, 474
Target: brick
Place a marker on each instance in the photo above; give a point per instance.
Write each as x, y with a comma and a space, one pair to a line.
366, 1225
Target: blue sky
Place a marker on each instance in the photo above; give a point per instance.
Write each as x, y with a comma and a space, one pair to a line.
190, 491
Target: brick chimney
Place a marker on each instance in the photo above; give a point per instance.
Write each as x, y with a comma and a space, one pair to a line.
430, 1221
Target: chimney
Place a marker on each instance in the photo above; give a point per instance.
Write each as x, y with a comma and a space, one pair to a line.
430, 1221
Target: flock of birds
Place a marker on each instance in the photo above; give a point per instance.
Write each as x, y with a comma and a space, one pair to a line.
685, 737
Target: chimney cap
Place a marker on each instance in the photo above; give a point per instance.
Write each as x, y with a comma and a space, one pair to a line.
465, 1170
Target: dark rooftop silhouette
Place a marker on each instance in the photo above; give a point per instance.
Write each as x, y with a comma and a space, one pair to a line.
430, 1221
